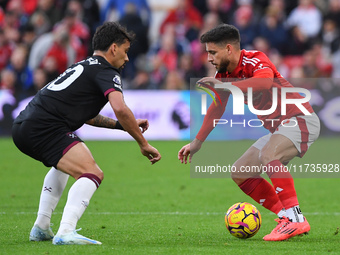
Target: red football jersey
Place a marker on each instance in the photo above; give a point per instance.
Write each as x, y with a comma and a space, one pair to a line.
253, 64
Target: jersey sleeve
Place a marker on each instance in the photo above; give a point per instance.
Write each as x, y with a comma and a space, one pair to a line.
214, 112
261, 74
262, 63
109, 80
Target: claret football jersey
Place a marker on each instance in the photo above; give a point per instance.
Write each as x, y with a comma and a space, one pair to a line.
76, 96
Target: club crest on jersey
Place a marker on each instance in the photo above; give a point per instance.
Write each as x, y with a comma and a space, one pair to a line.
117, 80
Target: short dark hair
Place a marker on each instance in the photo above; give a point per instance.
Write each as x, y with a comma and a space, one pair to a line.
222, 34
109, 33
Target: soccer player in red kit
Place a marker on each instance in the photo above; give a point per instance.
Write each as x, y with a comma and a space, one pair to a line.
283, 143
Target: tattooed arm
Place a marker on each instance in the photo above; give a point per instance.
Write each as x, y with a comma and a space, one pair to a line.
102, 121
106, 122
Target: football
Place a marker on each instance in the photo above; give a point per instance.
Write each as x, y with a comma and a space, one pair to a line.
243, 220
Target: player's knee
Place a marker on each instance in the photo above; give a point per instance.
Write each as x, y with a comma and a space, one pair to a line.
239, 180
96, 172
94, 169
237, 175
96, 178
100, 174
265, 157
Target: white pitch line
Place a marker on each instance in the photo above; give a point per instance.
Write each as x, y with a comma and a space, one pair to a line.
167, 213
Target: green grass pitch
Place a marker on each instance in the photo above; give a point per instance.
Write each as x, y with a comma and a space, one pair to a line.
159, 209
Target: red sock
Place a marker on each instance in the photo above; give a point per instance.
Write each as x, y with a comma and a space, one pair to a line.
262, 192
283, 183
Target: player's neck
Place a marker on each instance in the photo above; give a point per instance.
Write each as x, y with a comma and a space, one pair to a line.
99, 53
234, 61
104, 55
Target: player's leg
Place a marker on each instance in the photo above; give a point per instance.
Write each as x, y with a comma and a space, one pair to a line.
252, 184
58, 147
79, 163
286, 143
25, 138
53, 187
281, 149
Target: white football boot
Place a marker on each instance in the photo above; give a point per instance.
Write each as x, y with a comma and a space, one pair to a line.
72, 238
37, 234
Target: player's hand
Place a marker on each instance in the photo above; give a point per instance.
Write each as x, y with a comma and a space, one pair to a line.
210, 81
189, 150
151, 153
143, 124
184, 153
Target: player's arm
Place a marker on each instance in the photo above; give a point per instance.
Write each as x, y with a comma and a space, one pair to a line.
214, 112
130, 125
102, 121
106, 122
262, 80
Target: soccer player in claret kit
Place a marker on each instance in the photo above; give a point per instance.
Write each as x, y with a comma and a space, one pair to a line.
45, 131
273, 150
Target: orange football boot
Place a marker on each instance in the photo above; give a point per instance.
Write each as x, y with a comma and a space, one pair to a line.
286, 229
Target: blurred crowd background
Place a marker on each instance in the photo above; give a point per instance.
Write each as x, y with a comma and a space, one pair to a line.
39, 39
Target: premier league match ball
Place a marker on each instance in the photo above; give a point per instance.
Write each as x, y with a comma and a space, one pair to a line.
243, 220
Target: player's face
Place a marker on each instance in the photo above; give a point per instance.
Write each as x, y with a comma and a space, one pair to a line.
218, 56
121, 56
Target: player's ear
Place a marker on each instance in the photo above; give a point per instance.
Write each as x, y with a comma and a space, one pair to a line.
229, 48
113, 48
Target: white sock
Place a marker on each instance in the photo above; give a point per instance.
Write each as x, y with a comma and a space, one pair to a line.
54, 185
282, 213
295, 214
78, 199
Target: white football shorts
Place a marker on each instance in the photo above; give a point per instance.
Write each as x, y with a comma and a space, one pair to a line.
301, 130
